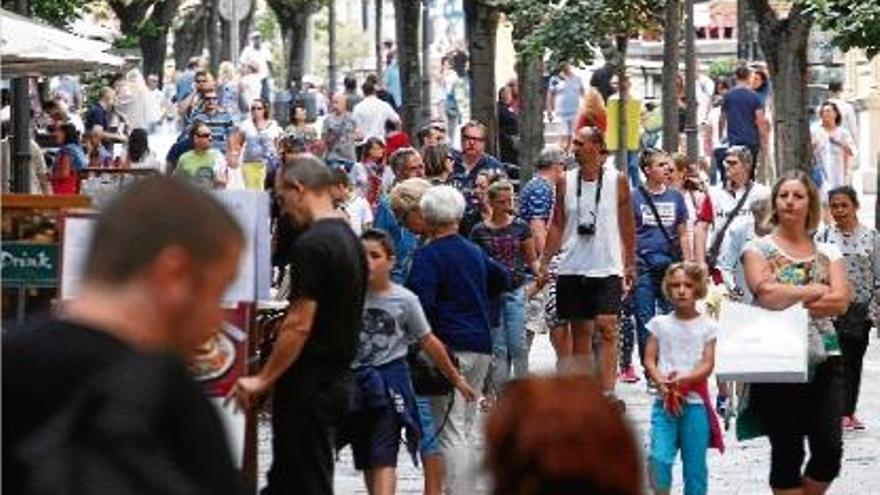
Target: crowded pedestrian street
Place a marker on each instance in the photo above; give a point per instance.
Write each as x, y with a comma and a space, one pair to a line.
440, 247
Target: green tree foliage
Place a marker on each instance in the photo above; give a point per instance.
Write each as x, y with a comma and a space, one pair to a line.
570, 30
855, 23
56, 12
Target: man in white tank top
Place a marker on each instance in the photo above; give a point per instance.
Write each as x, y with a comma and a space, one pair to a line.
593, 224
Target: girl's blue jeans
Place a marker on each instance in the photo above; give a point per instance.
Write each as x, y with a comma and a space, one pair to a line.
509, 339
688, 433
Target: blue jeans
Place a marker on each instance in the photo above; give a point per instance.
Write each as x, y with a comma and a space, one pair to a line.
509, 339
647, 300
428, 444
688, 433
632, 168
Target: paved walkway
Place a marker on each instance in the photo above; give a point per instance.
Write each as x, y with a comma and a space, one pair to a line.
741, 470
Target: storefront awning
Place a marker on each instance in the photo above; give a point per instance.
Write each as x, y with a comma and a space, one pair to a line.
31, 48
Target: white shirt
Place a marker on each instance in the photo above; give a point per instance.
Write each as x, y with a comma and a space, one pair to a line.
723, 204
848, 118
598, 255
260, 58
681, 344
370, 116
360, 215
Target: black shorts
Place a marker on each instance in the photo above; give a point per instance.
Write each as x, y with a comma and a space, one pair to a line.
375, 438
583, 298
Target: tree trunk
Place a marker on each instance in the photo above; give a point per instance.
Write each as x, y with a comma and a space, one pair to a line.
671, 35
529, 72
213, 33
784, 43
297, 44
189, 38
153, 54
380, 64
481, 21
406, 17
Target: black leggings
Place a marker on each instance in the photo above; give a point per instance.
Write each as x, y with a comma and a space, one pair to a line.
793, 412
853, 331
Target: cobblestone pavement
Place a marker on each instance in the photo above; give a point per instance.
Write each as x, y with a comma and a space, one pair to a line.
741, 470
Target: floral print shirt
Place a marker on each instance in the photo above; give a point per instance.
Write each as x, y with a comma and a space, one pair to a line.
802, 271
861, 253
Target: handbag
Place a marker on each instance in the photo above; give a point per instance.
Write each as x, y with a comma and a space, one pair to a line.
427, 379
758, 345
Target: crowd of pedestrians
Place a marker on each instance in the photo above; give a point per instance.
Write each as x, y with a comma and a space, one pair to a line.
402, 251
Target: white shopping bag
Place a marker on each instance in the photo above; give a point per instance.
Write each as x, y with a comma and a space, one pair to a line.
757, 345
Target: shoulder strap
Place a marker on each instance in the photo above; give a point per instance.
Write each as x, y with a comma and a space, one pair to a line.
719, 237
653, 207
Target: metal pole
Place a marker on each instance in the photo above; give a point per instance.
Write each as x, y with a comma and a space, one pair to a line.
380, 64
690, 125
426, 62
21, 125
233, 29
331, 41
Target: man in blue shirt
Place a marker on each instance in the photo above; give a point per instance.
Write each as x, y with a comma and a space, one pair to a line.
406, 164
742, 116
99, 114
219, 121
536, 197
474, 160
661, 237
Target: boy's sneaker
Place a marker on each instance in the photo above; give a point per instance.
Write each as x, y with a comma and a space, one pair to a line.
629, 375
722, 405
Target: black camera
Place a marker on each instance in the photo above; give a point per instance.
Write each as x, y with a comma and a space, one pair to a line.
587, 229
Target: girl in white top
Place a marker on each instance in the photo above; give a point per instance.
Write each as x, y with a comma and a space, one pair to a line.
679, 357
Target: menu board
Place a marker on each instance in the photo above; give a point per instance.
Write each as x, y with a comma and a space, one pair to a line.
250, 208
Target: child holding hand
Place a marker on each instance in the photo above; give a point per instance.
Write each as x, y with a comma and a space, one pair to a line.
679, 357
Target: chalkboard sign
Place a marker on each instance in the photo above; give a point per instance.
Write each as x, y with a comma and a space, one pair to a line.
30, 264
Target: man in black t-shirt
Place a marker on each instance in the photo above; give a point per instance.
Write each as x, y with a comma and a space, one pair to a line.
99, 400
309, 367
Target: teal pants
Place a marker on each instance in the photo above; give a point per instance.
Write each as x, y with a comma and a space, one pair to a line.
688, 433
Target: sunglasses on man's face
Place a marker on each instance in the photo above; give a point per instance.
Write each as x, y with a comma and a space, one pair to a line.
201, 81
473, 138
206, 135
210, 98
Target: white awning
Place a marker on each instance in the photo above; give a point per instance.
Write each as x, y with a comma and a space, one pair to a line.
32, 48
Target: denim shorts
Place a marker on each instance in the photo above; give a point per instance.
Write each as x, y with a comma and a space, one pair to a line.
428, 444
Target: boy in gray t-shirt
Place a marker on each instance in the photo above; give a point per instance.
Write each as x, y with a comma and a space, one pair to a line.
393, 319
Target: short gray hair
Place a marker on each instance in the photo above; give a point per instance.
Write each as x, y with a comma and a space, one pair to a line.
743, 154
550, 155
398, 159
307, 170
442, 205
